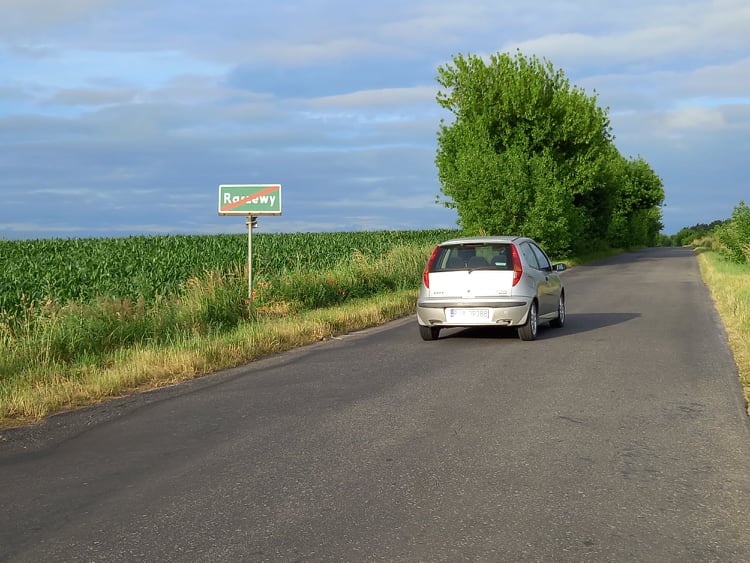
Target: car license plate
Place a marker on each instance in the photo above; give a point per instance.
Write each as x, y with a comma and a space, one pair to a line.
472, 315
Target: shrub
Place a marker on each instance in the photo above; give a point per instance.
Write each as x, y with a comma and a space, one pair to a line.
733, 237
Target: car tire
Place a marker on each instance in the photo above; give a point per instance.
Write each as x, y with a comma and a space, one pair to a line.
429, 332
529, 330
560, 320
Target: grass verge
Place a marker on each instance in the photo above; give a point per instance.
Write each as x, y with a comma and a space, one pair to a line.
729, 284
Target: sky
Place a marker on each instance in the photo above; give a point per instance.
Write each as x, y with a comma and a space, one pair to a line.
123, 117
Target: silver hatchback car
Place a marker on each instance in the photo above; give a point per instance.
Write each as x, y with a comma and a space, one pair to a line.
490, 281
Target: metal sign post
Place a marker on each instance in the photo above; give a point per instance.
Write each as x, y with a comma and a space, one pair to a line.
250, 200
249, 221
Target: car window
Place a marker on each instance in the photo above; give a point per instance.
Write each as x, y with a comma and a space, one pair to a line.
452, 258
495, 256
501, 257
541, 257
529, 256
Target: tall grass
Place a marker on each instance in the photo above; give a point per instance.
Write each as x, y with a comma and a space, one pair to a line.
64, 302
729, 283
151, 267
51, 353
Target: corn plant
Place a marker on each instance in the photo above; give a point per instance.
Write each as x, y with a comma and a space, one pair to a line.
147, 267
79, 300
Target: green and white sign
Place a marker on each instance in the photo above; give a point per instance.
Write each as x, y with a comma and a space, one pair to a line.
250, 199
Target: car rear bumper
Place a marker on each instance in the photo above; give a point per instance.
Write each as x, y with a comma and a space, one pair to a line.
506, 313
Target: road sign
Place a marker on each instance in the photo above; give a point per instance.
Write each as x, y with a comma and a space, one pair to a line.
250, 199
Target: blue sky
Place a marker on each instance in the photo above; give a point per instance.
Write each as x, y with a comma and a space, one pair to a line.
122, 117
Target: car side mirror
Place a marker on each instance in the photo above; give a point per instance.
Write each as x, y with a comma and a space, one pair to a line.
559, 267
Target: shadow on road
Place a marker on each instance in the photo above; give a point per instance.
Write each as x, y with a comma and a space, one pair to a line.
642, 255
585, 322
574, 324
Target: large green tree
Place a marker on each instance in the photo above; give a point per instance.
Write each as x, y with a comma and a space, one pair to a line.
526, 152
636, 215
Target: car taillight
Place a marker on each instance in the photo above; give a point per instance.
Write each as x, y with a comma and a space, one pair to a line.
517, 268
426, 272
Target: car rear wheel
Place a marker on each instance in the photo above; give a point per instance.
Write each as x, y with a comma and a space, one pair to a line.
528, 331
560, 320
429, 332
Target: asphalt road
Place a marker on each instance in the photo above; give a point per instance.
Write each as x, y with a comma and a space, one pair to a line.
621, 437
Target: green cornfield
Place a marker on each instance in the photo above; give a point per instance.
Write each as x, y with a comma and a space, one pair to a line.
147, 267
72, 309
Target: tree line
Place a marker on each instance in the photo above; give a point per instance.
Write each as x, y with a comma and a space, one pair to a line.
528, 154
730, 237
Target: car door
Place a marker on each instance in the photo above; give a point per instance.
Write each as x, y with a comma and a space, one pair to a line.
533, 270
551, 285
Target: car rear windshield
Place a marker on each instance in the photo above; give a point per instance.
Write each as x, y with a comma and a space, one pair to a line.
488, 256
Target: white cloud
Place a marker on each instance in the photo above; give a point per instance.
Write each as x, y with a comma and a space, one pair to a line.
301, 54
685, 34
699, 118
386, 97
728, 79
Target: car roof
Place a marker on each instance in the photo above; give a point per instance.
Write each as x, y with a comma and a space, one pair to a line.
488, 240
